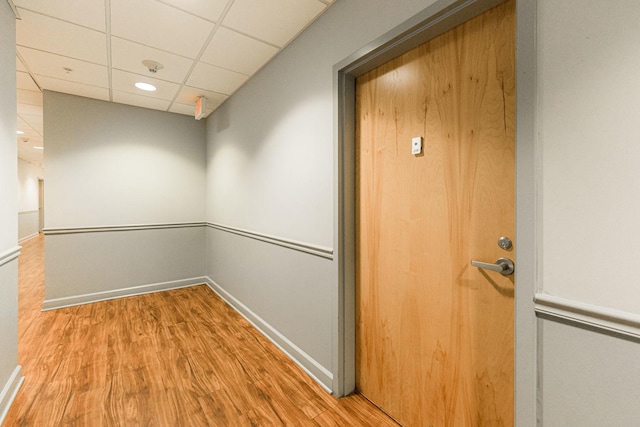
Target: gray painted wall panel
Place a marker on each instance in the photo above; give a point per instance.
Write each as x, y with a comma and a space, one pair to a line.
588, 379
286, 288
114, 164
28, 224
8, 208
89, 263
8, 140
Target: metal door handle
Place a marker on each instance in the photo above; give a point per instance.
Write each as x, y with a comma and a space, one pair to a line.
503, 266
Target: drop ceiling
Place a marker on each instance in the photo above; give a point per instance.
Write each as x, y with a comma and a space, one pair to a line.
95, 49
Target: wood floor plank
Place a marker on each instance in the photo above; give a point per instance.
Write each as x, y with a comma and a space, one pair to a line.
175, 358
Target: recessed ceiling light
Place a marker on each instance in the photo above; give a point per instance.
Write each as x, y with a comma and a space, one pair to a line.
20, 132
145, 86
38, 148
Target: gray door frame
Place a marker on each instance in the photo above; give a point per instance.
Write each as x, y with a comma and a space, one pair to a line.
431, 22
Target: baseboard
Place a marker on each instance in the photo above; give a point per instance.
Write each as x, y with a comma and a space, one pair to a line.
316, 371
56, 303
9, 392
31, 236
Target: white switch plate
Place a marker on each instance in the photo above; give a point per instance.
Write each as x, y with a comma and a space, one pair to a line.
416, 145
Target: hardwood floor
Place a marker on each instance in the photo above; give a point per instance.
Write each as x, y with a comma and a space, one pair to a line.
176, 358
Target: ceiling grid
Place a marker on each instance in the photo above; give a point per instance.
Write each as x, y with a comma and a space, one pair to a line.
95, 49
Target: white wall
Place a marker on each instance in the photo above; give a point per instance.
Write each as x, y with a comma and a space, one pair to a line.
588, 104
112, 164
10, 372
270, 171
28, 175
28, 215
124, 202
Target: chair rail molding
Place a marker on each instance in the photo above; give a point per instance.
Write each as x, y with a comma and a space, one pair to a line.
601, 318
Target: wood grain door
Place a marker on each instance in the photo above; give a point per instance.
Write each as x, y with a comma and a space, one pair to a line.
434, 335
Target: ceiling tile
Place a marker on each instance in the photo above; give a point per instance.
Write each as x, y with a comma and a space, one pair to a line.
37, 127
29, 134
57, 34
20, 65
140, 101
29, 97
22, 125
128, 56
27, 153
155, 24
124, 82
24, 81
215, 79
33, 110
34, 123
27, 141
274, 21
50, 65
207, 9
237, 52
89, 13
73, 88
49, 34
29, 144
32, 119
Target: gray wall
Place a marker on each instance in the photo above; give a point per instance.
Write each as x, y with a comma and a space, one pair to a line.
589, 379
112, 164
125, 200
10, 372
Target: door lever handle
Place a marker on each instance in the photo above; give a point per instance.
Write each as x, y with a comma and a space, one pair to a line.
503, 266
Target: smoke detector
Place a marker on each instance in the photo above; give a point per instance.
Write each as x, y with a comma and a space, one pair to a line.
152, 66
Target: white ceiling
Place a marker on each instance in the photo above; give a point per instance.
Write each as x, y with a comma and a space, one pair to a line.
95, 48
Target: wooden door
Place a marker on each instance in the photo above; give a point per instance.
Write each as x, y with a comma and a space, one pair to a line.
434, 335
